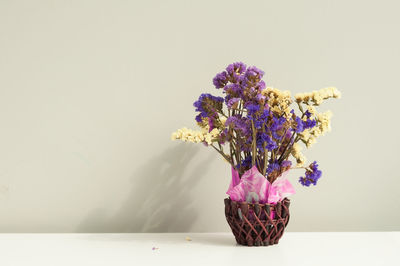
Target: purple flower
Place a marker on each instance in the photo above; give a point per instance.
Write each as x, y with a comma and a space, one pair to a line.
272, 167
262, 119
261, 85
252, 108
286, 164
258, 123
220, 80
276, 126
240, 124
254, 72
271, 144
199, 117
261, 138
266, 113
246, 163
252, 78
208, 105
304, 181
311, 176
299, 125
233, 90
238, 67
232, 102
309, 123
260, 97
275, 168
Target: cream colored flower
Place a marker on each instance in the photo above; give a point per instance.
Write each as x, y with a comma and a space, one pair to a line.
195, 136
296, 153
311, 140
305, 135
324, 120
279, 101
296, 148
309, 136
312, 110
222, 119
174, 136
317, 97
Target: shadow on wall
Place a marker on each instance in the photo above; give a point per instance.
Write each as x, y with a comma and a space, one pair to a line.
160, 199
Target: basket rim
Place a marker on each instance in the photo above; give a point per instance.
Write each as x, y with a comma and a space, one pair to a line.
259, 204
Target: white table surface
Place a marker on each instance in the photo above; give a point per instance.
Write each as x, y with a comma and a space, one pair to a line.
344, 248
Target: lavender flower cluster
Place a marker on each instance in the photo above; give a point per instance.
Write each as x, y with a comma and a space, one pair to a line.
312, 175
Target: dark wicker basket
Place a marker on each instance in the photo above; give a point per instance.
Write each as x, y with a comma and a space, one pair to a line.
257, 224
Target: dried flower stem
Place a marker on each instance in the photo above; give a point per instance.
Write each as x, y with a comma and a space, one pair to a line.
265, 154
253, 158
223, 155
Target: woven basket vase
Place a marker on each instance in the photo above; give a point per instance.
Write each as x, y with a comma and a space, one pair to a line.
257, 224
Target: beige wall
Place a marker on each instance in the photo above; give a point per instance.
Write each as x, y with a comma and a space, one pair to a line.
91, 90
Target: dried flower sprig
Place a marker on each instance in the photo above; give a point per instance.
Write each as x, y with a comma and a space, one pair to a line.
257, 124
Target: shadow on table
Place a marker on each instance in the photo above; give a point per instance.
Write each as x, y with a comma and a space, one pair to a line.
160, 199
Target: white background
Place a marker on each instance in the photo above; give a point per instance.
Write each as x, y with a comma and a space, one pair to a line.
90, 92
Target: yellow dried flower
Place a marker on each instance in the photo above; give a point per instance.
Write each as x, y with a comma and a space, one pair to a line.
311, 140
325, 121
312, 109
222, 119
296, 153
279, 101
195, 136
318, 96
309, 136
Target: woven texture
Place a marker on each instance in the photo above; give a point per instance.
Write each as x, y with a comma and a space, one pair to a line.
257, 224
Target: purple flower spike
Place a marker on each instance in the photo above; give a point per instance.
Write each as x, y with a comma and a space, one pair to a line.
312, 175
237, 67
299, 125
255, 72
220, 80
232, 102
252, 108
208, 105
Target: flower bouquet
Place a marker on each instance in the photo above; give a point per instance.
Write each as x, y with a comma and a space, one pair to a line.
256, 130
